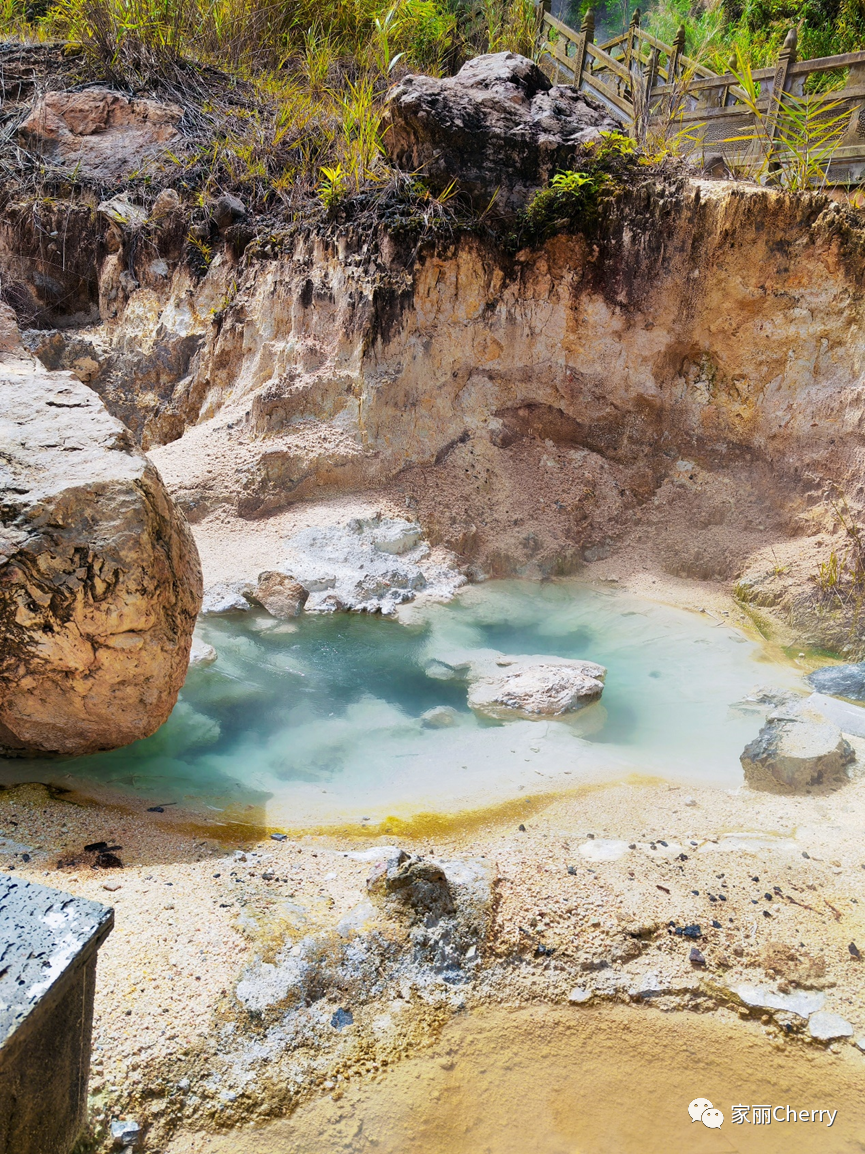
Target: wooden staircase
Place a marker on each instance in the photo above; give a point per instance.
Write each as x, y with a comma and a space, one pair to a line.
639, 78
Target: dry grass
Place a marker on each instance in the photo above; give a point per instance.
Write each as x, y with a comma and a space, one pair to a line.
283, 103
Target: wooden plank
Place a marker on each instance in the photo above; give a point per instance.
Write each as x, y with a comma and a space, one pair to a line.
608, 44
827, 63
596, 88
563, 29
562, 57
758, 74
612, 65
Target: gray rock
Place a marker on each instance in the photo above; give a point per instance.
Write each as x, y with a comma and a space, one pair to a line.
579, 996
227, 210
803, 1004
125, 1133
497, 125
419, 885
226, 597
824, 1026
370, 565
540, 689
797, 750
441, 717
121, 211
840, 681
342, 1018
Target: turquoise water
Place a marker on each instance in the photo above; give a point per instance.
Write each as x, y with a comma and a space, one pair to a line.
319, 719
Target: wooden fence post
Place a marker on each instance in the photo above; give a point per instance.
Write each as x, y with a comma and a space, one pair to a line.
786, 59
678, 50
587, 35
652, 72
629, 46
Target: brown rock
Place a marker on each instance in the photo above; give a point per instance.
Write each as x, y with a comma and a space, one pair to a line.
102, 133
99, 576
167, 202
280, 595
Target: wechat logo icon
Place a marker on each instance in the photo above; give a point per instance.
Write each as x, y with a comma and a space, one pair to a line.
702, 1110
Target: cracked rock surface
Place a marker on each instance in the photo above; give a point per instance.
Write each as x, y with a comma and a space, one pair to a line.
99, 575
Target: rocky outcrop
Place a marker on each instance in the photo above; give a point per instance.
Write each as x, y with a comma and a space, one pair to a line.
497, 128
529, 409
101, 134
798, 749
371, 565
99, 576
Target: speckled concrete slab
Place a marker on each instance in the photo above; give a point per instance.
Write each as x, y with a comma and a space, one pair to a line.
42, 933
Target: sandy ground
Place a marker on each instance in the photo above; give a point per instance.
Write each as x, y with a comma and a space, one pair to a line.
775, 885
553, 1080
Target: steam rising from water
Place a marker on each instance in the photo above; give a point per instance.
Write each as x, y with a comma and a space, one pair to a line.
319, 719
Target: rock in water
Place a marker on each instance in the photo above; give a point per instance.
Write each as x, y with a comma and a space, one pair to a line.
545, 689
497, 125
280, 595
100, 580
840, 681
439, 717
796, 750
201, 654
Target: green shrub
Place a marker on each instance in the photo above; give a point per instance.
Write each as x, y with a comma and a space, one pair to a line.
571, 199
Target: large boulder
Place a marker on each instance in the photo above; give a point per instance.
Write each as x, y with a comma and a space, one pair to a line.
99, 133
797, 749
100, 581
497, 125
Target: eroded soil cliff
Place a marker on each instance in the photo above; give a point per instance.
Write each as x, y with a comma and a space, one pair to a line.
684, 385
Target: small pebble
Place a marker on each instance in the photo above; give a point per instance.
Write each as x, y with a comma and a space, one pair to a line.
578, 995
279, 837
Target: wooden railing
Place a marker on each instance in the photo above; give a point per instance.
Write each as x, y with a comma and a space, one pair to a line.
711, 107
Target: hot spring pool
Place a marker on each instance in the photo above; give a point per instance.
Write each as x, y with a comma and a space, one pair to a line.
318, 720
